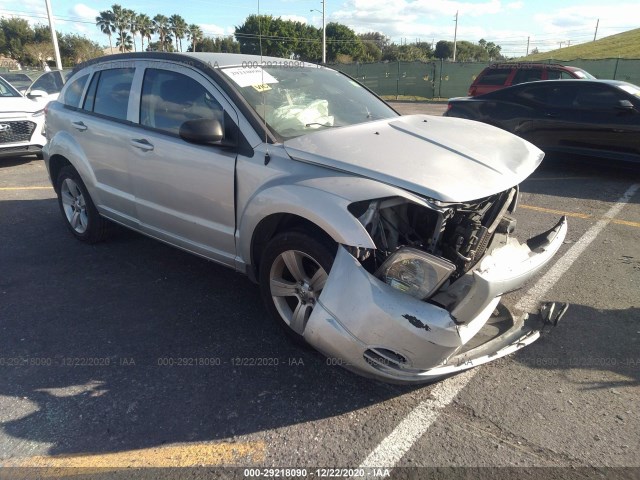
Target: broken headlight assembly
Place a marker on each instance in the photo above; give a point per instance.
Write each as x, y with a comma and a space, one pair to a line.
415, 272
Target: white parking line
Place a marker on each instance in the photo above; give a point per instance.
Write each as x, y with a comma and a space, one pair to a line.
389, 452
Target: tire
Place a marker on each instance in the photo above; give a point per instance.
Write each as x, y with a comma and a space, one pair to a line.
78, 210
293, 270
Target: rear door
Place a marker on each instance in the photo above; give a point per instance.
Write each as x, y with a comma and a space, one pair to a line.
184, 192
100, 126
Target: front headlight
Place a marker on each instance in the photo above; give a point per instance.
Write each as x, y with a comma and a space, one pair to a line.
39, 113
415, 272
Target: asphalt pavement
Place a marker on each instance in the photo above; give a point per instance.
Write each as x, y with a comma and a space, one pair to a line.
130, 353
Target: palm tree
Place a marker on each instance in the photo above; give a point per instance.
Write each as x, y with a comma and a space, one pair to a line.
145, 27
133, 25
121, 23
179, 28
161, 26
105, 22
124, 43
194, 33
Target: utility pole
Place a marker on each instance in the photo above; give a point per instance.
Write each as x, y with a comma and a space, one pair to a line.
54, 37
527, 46
560, 44
324, 34
596, 34
455, 37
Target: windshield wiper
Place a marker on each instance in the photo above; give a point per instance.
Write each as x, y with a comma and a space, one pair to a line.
320, 124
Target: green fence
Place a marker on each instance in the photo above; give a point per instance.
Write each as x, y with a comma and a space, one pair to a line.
441, 79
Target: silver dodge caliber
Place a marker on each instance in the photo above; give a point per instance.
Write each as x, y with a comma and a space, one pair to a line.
384, 241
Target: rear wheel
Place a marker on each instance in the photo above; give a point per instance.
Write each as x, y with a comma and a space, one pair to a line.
78, 210
293, 271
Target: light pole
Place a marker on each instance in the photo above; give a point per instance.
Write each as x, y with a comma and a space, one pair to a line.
455, 37
54, 37
324, 33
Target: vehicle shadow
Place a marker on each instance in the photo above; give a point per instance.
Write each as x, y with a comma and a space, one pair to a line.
587, 342
130, 344
577, 178
8, 162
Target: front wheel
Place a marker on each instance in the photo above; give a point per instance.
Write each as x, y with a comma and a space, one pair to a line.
293, 271
78, 210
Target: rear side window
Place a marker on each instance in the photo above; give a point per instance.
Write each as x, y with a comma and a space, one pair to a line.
597, 97
558, 75
73, 93
527, 75
494, 76
112, 93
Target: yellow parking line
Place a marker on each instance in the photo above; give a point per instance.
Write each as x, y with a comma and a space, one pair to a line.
626, 222
188, 455
26, 188
557, 212
578, 215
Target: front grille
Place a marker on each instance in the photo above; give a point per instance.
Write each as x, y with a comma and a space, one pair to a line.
14, 132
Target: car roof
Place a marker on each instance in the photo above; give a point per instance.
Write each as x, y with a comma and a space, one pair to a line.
210, 59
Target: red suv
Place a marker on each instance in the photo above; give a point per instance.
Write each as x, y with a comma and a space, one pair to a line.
498, 76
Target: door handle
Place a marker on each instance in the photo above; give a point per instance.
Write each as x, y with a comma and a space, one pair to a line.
142, 143
551, 115
79, 126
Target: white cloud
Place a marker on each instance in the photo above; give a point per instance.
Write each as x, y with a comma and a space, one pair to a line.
84, 12
514, 5
213, 30
294, 18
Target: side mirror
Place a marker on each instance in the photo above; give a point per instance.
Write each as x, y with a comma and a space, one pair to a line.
33, 94
202, 131
625, 105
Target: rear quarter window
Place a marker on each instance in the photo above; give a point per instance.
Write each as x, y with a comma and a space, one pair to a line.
73, 93
496, 76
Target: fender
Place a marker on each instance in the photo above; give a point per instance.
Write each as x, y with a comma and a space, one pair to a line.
321, 200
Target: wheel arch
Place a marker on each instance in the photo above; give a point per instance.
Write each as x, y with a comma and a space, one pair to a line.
321, 214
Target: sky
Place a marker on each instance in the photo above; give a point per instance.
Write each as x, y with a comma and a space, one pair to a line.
509, 23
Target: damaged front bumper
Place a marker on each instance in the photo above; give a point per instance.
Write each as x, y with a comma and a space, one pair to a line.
365, 325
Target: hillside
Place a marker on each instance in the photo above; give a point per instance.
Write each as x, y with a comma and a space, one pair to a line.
623, 45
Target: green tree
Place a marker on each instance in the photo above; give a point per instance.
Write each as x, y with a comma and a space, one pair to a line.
17, 34
444, 49
224, 45
76, 49
106, 23
132, 25
179, 28
145, 28
343, 42
195, 34
121, 22
163, 29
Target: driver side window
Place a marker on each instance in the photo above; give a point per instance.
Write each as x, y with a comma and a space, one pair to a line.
170, 98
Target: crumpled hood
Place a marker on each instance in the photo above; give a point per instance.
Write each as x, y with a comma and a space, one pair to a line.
447, 159
16, 106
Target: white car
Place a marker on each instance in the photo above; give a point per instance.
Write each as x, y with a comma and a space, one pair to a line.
21, 122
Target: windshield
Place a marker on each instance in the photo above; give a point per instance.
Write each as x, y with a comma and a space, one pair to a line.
6, 90
296, 100
579, 73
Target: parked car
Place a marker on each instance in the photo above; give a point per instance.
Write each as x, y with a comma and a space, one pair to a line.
49, 82
501, 75
594, 118
19, 81
383, 241
21, 123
